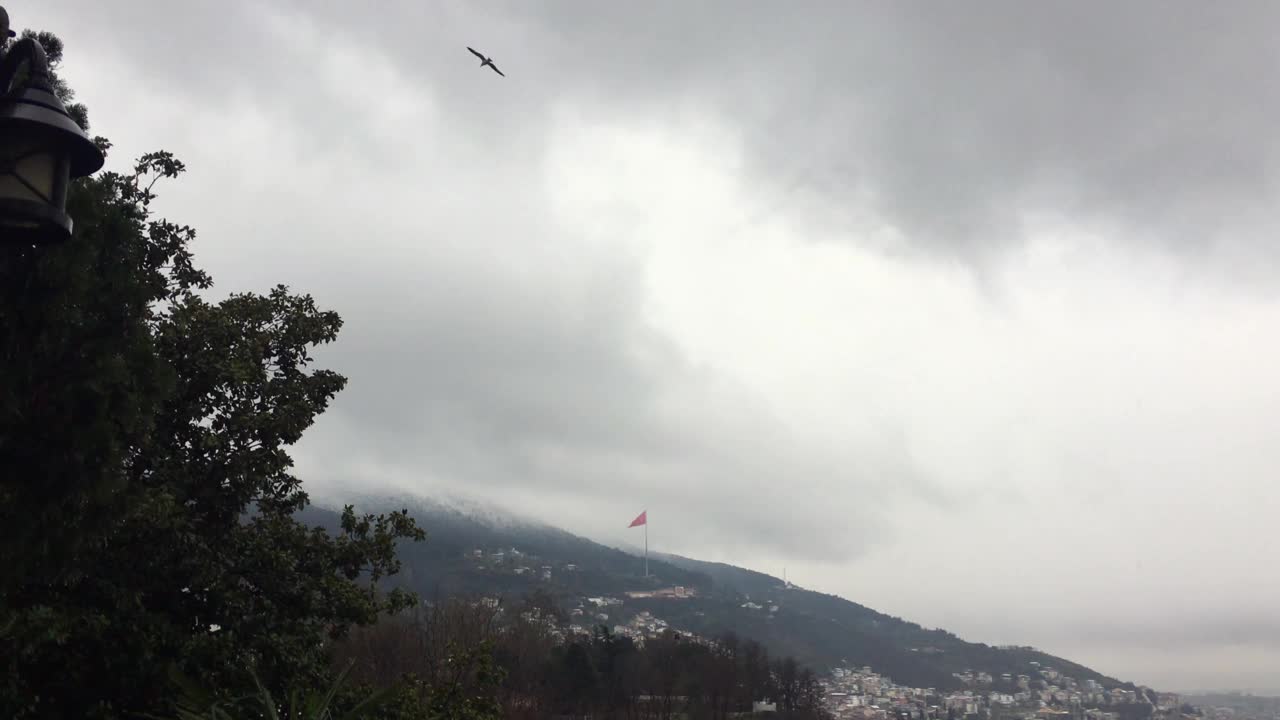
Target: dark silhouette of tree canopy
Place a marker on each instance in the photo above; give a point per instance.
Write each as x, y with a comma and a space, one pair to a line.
548, 671
145, 481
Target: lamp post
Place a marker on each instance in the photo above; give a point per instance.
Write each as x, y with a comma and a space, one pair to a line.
41, 149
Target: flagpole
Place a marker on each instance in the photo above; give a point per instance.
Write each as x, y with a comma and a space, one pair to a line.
646, 547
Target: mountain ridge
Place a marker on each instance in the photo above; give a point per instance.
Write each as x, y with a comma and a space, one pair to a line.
472, 548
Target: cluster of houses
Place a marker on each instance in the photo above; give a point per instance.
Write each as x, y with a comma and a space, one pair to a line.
516, 562
590, 612
1041, 694
679, 592
641, 626
595, 611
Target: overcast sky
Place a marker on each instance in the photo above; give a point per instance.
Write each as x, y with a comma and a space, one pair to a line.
965, 311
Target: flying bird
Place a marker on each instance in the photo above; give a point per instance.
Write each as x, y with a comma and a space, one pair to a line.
485, 61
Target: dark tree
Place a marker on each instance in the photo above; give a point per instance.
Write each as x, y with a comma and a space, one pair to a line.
755, 671
574, 678
603, 674
145, 481
786, 677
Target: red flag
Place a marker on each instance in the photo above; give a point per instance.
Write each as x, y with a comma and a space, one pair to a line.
641, 519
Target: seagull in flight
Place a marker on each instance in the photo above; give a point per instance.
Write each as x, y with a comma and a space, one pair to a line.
485, 61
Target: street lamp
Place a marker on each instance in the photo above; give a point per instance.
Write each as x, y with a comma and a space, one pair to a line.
41, 149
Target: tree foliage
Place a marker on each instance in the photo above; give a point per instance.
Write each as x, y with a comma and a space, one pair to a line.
146, 493
198, 703
548, 670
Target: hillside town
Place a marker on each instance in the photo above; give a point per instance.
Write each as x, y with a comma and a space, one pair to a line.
1042, 693
1039, 693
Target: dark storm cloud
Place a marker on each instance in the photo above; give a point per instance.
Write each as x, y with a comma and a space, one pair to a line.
1151, 120
956, 117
